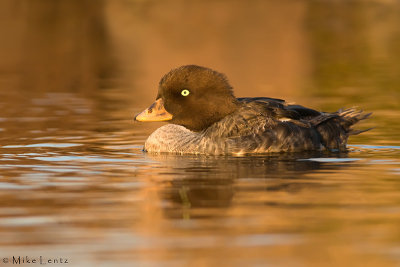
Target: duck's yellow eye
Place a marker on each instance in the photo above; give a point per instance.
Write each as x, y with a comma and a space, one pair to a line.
185, 92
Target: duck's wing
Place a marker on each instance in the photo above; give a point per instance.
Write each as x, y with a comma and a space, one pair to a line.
303, 111
280, 108
260, 99
268, 124
257, 115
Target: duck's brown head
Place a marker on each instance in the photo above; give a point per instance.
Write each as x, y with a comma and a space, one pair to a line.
192, 96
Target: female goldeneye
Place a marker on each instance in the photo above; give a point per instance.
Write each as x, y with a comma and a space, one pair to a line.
206, 118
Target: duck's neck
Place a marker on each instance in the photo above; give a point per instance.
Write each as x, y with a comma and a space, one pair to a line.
213, 113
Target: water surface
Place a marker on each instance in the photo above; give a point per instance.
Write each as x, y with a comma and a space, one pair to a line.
75, 184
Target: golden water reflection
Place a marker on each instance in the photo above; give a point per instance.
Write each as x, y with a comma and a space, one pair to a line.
74, 182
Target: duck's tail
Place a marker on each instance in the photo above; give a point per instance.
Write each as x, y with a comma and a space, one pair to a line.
335, 128
350, 117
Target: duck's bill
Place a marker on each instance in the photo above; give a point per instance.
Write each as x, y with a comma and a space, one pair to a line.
156, 112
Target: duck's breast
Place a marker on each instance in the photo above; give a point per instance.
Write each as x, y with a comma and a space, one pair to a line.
172, 138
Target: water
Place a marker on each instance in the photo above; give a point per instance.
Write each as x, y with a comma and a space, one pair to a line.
75, 184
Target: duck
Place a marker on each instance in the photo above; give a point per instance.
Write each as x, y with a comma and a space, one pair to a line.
205, 117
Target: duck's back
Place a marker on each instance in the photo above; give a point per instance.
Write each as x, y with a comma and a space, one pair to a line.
281, 127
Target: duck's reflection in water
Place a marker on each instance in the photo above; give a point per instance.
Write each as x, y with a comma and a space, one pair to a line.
213, 182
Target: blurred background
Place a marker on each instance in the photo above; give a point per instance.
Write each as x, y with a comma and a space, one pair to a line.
287, 49
74, 181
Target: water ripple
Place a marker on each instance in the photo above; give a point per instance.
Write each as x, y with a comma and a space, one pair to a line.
60, 145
